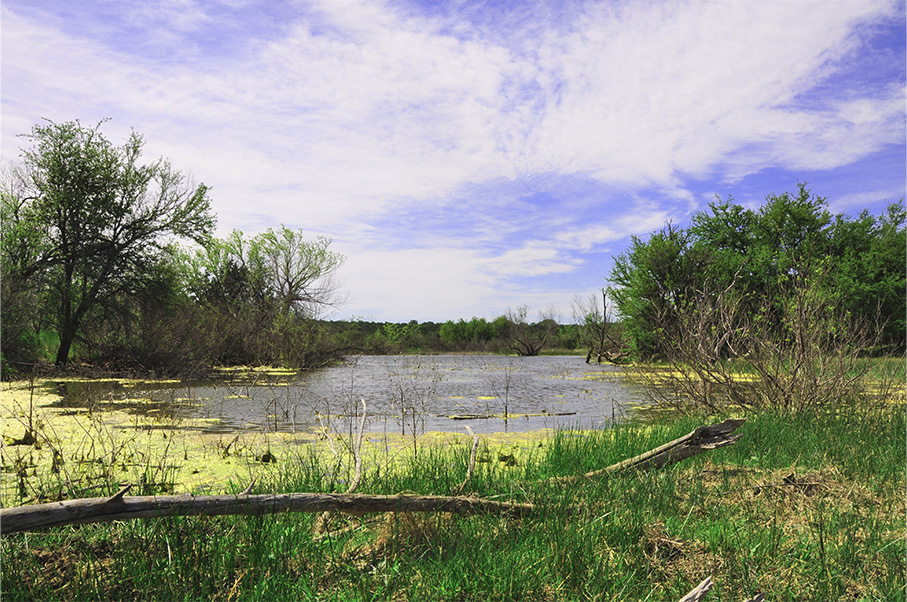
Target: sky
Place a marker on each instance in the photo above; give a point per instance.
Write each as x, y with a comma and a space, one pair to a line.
469, 157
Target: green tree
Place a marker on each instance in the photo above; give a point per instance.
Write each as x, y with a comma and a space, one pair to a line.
278, 270
474, 334
649, 283
300, 271
757, 253
92, 218
869, 269
262, 295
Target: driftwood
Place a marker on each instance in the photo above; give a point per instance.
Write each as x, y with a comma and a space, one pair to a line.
120, 507
699, 592
702, 439
472, 460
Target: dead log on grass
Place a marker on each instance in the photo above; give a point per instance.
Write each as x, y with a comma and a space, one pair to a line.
120, 507
704, 438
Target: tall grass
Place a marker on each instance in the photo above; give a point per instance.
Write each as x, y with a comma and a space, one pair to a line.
802, 507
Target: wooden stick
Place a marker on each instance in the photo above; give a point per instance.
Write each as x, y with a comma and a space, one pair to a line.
472, 460
98, 510
698, 592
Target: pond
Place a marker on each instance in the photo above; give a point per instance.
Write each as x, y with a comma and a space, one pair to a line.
402, 394
71, 436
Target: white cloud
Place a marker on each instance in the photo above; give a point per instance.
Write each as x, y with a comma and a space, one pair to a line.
352, 113
852, 203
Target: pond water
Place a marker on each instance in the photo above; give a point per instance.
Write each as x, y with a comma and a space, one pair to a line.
403, 394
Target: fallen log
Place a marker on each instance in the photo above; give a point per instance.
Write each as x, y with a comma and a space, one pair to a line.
120, 507
701, 439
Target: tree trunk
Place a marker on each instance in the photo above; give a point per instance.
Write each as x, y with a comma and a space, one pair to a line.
67, 336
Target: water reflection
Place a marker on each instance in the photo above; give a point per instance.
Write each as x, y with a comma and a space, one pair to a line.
408, 394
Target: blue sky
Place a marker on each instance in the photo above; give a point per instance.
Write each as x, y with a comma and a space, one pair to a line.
470, 156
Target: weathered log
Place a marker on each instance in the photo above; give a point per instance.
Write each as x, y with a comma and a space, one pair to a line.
119, 507
699, 592
702, 439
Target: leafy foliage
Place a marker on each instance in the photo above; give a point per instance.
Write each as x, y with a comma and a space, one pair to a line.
89, 249
758, 252
85, 220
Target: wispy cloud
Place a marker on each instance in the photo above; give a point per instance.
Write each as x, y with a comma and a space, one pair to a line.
475, 149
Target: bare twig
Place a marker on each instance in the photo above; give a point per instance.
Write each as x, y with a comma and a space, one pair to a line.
357, 451
322, 521
472, 460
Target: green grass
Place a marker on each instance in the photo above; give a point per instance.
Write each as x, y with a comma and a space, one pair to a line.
802, 508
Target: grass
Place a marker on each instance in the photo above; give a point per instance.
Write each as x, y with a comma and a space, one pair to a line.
809, 507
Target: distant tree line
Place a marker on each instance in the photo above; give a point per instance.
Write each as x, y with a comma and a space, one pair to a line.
510, 333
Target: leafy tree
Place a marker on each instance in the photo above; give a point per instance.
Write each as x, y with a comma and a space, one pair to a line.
87, 220
756, 253
261, 294
278, 271
649, 282
300, 272
462, 334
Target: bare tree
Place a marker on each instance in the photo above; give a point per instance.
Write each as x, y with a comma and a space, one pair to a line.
526, 338
798, 349
598, 331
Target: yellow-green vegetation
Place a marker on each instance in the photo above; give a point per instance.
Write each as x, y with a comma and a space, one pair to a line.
52, 452
804, 506
735, 385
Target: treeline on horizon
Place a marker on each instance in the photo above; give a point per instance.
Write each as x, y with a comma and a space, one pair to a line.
110, 262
